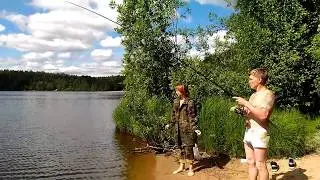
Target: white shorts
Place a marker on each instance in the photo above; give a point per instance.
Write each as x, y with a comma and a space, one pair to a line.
257, 137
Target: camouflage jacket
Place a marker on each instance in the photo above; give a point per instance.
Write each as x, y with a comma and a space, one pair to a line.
184, 116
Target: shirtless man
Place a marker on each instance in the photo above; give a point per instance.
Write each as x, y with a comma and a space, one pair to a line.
258, 110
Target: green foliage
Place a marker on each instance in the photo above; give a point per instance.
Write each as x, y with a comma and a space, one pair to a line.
213, 76
148, 64
315, 51
222, 130
292, 134
289, 134
123, 117
40, 81
313, 130
149, 56
277, 35
315, 46
149, 124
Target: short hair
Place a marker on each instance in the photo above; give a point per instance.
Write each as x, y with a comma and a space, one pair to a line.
183, 89
260, 73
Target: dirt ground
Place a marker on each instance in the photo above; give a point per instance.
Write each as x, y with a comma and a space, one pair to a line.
160, 167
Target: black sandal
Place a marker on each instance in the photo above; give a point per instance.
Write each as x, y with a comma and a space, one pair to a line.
274, 166
292, 163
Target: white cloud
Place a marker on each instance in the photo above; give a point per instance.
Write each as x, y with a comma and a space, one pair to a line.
61, 4
101, 54
8, 62
23, 42
56, 4
195, 53
219, 36
110, 42
31, 65
222, 3
96, 68
2, 28
49, 67
18, 19
71, 69
62, 27
36, 56
59, 31
77, 25
179, 39
111, 63
60, 63
64, 55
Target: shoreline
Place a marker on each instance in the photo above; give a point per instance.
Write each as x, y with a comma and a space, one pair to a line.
158, 167
153, 166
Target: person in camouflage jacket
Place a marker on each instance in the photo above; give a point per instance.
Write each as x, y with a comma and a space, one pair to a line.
184, 122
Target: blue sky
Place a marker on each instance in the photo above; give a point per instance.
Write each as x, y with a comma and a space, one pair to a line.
53, 36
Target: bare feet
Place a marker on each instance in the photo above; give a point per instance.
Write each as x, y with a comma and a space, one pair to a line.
190, 173
180, 169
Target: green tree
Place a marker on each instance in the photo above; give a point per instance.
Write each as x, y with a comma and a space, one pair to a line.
278, 35
28, 80
149, 56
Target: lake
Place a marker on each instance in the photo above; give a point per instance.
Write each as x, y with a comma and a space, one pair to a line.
64, 135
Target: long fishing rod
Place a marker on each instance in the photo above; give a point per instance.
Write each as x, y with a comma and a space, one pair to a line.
94, 12
229, 93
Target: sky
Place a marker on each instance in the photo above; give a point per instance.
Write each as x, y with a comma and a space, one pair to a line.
57, 37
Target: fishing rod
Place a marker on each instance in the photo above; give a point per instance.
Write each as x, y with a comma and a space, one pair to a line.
229, 93
94, 12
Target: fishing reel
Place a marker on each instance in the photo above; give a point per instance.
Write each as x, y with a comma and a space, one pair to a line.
238, 110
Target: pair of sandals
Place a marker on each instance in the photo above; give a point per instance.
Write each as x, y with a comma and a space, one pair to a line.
275, 167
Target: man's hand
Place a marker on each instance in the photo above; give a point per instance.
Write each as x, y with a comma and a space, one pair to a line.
241, 101
246, 110
198, 132
239, 110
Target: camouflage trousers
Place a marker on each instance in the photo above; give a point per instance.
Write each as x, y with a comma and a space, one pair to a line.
186, 141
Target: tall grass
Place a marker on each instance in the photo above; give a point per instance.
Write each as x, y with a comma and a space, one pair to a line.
288, 134
292, 133
223, 131
313, 138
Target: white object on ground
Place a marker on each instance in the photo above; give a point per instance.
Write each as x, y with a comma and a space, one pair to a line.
243, 160
196, 152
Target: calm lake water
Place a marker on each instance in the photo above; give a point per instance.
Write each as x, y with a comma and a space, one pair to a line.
62, 135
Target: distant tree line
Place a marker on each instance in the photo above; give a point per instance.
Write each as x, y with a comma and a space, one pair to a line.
41, 81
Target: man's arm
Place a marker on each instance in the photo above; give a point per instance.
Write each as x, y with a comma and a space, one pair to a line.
262, 112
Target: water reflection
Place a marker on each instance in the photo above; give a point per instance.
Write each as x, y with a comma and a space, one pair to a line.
138, 165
